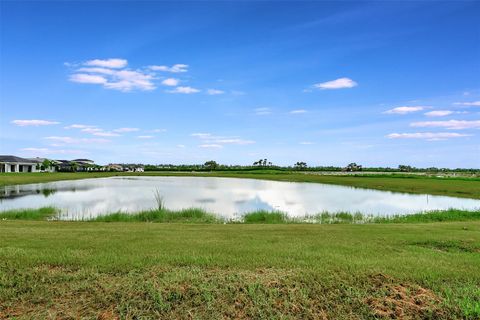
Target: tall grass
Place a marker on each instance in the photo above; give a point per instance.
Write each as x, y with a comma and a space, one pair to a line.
29, 214
195, 215
431, 216
263, 216
192, 215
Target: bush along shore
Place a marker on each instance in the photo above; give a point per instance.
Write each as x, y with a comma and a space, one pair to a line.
195, 215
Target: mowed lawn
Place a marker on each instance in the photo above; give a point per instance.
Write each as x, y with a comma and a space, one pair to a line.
70, 270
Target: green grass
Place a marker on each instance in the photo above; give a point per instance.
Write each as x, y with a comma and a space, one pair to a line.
97, 270
432, 216
263, 216
458, 187
196, 215
29, 214
161, 215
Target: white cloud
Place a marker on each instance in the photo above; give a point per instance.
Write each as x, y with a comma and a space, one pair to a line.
158, 130
215, 92
184, 90
172, 82
112, 74
87, 78
450, 124
108, 63
36, 123
340, 83
213, 146
70, 140
263, 111
127, 80
126, 130
145, 137
52, 151
176, 68
307, 142
438, 113
427, 135
201, 135
105, 134
210, 139
180, 146
233, 141
472, 103
78, 126
298, 111
405, 110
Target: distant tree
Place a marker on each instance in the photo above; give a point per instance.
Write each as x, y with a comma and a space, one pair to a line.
353, 167
73, 166
46, 164
404, 168
300, 165
211, 165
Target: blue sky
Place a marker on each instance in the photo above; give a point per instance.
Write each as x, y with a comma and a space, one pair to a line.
329, 83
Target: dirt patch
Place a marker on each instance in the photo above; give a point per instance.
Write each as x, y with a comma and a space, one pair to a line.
450, 246
393, 300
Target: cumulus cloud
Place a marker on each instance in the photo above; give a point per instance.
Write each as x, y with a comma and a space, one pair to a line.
405, 109
108, 63
468, 104
298, 111
213, 92
176, 68
438, 113
88, 78
184, 90
35, 123
172, 82
158, 130
341, 83
145, 137
427, 135
450, 124
307, 143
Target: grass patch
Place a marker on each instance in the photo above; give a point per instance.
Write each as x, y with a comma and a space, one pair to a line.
161, 215
244, 271
29, 214
431, 216
268, 217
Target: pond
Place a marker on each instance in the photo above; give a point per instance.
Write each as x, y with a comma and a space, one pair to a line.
227, 197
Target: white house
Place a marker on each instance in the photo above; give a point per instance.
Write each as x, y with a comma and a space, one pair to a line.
17, 164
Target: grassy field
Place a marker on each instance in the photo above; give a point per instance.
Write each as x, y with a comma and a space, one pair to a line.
71, 270
458, 187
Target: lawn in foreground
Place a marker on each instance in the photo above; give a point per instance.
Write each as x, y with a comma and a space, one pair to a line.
134, 270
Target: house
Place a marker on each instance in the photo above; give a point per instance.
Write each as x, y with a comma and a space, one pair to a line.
16, 164
84, 161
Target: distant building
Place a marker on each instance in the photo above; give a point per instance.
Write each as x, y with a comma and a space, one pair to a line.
16, 164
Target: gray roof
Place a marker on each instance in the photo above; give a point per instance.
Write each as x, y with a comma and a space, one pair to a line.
8, 158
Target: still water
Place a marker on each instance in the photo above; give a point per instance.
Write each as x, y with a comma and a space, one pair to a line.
227, 197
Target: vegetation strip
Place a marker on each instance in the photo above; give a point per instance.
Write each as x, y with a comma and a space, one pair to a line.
195, 215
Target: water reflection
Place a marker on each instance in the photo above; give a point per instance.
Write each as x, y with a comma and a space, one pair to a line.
225, 196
